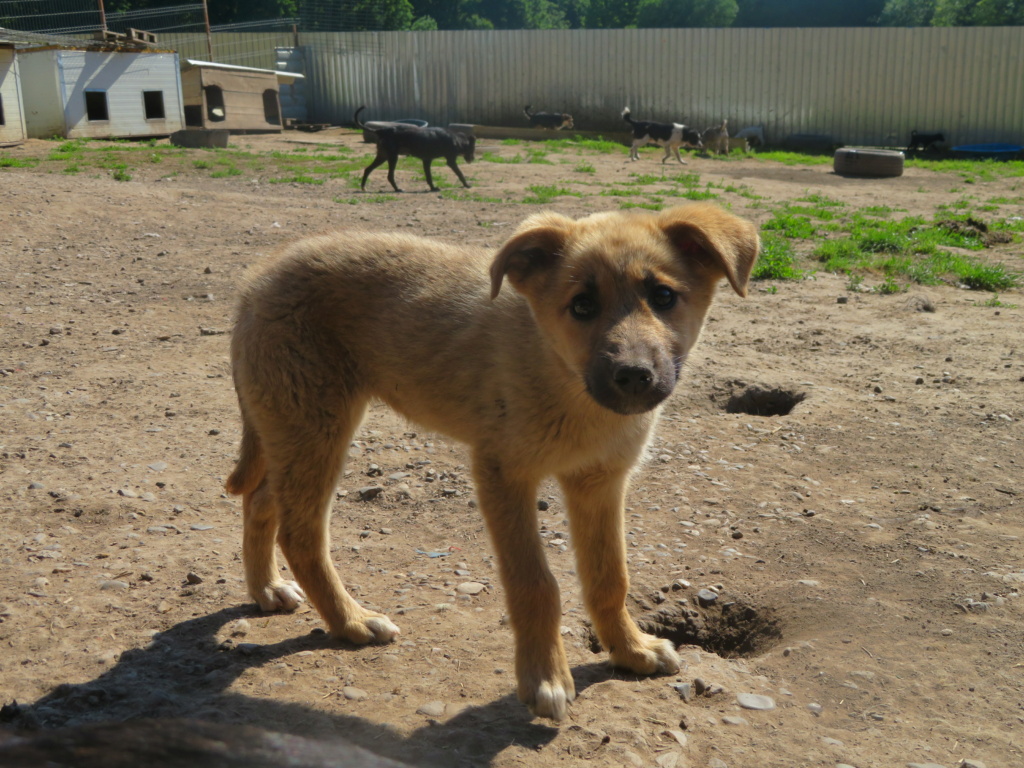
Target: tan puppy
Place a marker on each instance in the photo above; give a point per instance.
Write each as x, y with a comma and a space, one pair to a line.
561, 376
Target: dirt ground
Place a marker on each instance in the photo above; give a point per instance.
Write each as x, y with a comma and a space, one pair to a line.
865, 547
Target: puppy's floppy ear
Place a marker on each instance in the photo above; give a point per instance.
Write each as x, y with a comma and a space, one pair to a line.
721, 241
535, 246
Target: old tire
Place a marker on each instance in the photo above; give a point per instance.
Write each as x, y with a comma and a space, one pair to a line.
868, 162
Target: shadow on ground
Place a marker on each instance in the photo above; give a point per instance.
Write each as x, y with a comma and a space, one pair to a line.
183, 673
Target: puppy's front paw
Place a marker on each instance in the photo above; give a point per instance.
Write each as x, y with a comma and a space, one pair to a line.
651, 656
367, 628
283, 596
548, 692
550, 699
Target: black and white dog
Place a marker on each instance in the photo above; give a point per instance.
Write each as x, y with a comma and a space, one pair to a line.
671, 136
924, 141
428, 144
554, 121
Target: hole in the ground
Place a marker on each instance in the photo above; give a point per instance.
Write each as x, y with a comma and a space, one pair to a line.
758, 401
731, 630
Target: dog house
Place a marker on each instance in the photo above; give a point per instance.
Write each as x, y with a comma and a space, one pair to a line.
12, 118
99, 92
239, 99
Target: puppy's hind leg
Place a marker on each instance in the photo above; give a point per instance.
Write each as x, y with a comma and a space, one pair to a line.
544, 681
302, 477
262, 576
260, 521
596, 510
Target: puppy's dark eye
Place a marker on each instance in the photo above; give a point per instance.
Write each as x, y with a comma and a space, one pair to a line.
663, 297
584, 307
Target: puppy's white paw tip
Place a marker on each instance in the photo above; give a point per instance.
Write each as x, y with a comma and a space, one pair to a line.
286, 596
552, 700
668, 659
382, 628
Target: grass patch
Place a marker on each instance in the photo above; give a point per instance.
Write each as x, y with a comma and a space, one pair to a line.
18, 162
793, 158
790, 225
298, 178
541, 194
777, 260
577, 143
466, 196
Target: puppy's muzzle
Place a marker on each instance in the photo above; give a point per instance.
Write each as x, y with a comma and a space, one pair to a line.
630, 387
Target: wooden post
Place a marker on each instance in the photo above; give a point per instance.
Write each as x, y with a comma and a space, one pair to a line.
103, 16
209, 36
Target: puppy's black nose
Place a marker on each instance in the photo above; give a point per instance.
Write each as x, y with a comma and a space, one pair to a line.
633, 379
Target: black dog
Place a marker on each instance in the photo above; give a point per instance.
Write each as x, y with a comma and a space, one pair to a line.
671, 136
428, 144
554, 121
924, 141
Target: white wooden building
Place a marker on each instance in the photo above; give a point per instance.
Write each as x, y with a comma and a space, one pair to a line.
96, 93
12, 119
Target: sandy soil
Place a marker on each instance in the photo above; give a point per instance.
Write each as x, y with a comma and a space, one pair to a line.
865, 547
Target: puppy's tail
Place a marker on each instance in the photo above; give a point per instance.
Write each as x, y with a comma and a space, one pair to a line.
355, 117
251, 467
626, 115
526, 111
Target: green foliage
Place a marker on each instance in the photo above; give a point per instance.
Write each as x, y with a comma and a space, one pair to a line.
686, 13
790, 225
541, 194
777, 260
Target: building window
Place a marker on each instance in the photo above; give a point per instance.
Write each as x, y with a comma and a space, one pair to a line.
96, 105
153, 101
214, 103
271, 107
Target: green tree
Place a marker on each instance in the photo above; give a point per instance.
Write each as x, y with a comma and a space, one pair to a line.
686, 13
611, 14
808, 13
907, 13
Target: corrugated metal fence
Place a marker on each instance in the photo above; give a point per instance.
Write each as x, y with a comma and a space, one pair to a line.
860, 86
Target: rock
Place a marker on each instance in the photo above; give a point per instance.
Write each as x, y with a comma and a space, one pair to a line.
193, 578
354, 694
471, 588
158, 466
734, 720
114, 585
678, 735
706, 597
969, 763
815, 709
432, 709
668, 760
201, 527
685, 690
369, 492
755, 701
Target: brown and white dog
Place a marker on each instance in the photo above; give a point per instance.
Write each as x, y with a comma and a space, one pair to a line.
554, 121
716, 138
671, 136
563, 376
